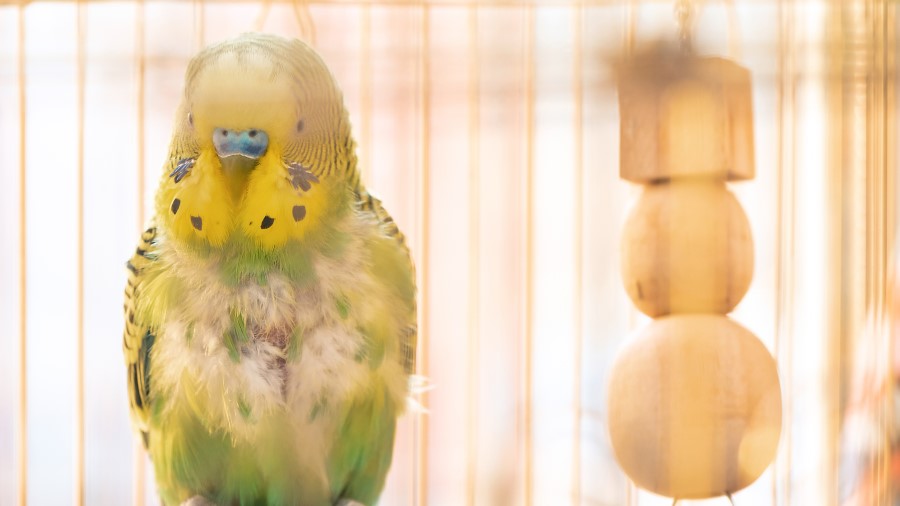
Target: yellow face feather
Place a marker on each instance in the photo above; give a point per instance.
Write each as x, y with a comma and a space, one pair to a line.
198, 205
273, 212
280, 108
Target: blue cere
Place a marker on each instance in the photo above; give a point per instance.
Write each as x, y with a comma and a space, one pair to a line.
248, 143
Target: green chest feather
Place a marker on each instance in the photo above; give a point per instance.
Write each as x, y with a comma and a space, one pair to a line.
276, 388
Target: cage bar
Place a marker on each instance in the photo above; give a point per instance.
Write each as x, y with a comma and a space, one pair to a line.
423, 205
474, 285
22, 429
528, 248
578, 260
81, 63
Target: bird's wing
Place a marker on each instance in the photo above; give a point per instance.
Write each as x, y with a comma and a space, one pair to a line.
139, 336
408, 339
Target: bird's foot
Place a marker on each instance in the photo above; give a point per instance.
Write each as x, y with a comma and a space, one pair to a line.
348, 502
198, 500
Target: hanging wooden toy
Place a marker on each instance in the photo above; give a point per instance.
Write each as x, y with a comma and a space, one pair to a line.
694, 397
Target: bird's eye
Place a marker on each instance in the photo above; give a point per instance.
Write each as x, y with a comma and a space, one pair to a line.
190, 119
300, 126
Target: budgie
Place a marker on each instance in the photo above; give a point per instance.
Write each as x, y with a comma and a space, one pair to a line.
270, 329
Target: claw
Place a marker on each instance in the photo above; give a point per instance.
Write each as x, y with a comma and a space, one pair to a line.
301, 177
198, 500
182, 168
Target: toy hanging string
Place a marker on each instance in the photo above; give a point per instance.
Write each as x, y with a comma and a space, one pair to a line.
305, 24
684, 17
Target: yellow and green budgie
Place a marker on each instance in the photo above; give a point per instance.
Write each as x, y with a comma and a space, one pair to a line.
270, 308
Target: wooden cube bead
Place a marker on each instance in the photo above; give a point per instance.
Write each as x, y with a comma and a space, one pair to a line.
685, 116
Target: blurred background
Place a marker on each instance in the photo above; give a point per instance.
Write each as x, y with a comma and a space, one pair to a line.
490, 130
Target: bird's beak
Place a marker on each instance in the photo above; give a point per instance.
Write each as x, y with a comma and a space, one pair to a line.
247, 143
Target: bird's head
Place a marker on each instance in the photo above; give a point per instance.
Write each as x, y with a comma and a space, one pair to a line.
261, 150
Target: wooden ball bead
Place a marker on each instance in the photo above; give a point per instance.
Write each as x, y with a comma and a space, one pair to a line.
687, 248
694, 407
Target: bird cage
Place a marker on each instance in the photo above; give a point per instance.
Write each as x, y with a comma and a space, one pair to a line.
492, 131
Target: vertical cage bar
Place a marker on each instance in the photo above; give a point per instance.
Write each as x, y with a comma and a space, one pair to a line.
890, 119
139, 471
365, 92
578, 260
882, 116
474, 285
785, 247
865, 277
140, 65
22, 435
424, 222
874, 223
528, 238
199, 24
837, 195
81, 34
631, 16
